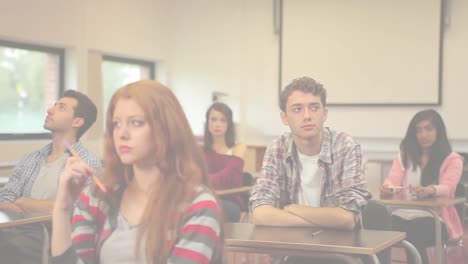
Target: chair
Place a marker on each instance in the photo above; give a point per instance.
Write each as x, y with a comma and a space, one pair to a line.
378, 216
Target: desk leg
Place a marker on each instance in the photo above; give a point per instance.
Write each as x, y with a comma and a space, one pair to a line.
375, 259
415, 257
438, 234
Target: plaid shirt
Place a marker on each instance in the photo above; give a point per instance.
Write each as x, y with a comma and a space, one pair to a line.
25, 172
342, 183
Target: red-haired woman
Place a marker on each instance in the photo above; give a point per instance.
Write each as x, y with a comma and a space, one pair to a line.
157, 208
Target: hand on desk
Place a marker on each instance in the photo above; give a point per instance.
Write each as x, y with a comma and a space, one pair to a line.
423, 192
419, 192
386, 190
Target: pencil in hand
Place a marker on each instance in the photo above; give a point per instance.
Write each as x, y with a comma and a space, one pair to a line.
98, 182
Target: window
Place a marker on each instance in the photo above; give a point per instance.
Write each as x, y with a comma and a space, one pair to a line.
117, 71
31, 79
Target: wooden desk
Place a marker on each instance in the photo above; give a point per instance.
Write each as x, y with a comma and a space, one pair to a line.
431, 205
11, 219
311, 242
233, 190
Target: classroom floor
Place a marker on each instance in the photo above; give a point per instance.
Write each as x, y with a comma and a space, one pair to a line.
456, 255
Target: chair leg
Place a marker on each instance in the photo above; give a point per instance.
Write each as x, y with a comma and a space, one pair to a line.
446, 252
45, 246
449, 245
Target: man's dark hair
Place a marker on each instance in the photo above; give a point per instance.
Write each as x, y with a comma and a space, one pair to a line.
85, 108
306, 85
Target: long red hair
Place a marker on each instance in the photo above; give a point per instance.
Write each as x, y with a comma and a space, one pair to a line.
177, 156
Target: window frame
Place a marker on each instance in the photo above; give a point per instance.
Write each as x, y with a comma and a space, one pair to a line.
60, 52
151, 65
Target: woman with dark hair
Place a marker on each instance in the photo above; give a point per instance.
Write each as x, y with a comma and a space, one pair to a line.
220, 134
155, 207
426, 167
224, 158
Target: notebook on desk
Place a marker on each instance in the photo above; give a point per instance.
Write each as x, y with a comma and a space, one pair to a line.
10, 219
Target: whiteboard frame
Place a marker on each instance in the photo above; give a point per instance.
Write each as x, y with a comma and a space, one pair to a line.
279, 18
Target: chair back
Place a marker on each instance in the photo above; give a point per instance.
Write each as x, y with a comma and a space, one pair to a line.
464, 178
247, 180
378, 216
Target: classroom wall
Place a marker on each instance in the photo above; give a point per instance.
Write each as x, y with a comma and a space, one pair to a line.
85, 28
206, 54
361, 120
218, 45
391, 42
227, 46
251, 59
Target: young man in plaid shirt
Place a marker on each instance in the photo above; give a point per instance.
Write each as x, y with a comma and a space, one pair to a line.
312, 175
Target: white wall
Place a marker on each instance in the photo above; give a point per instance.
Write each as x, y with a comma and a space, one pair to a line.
227, 46
118, 27
221, 45
206, 54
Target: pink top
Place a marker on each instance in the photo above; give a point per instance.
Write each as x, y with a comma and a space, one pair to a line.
449, 176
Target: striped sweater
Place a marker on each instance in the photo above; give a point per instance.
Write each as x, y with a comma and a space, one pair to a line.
198, 237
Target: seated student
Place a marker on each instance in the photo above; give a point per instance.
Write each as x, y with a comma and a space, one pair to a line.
33, 185
312, 175
427, 165
156, 207
224, 158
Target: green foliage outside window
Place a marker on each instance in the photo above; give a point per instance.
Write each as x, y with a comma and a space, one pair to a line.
23, 81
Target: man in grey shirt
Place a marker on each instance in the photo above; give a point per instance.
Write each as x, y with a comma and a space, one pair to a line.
33, 184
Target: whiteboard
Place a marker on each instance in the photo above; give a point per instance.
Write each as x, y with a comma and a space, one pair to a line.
365, 52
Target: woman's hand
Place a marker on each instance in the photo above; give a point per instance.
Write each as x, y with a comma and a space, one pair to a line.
423, 192
386, 190
71, 182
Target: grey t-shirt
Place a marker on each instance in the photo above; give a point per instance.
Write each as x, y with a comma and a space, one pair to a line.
46, 183
119, 248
